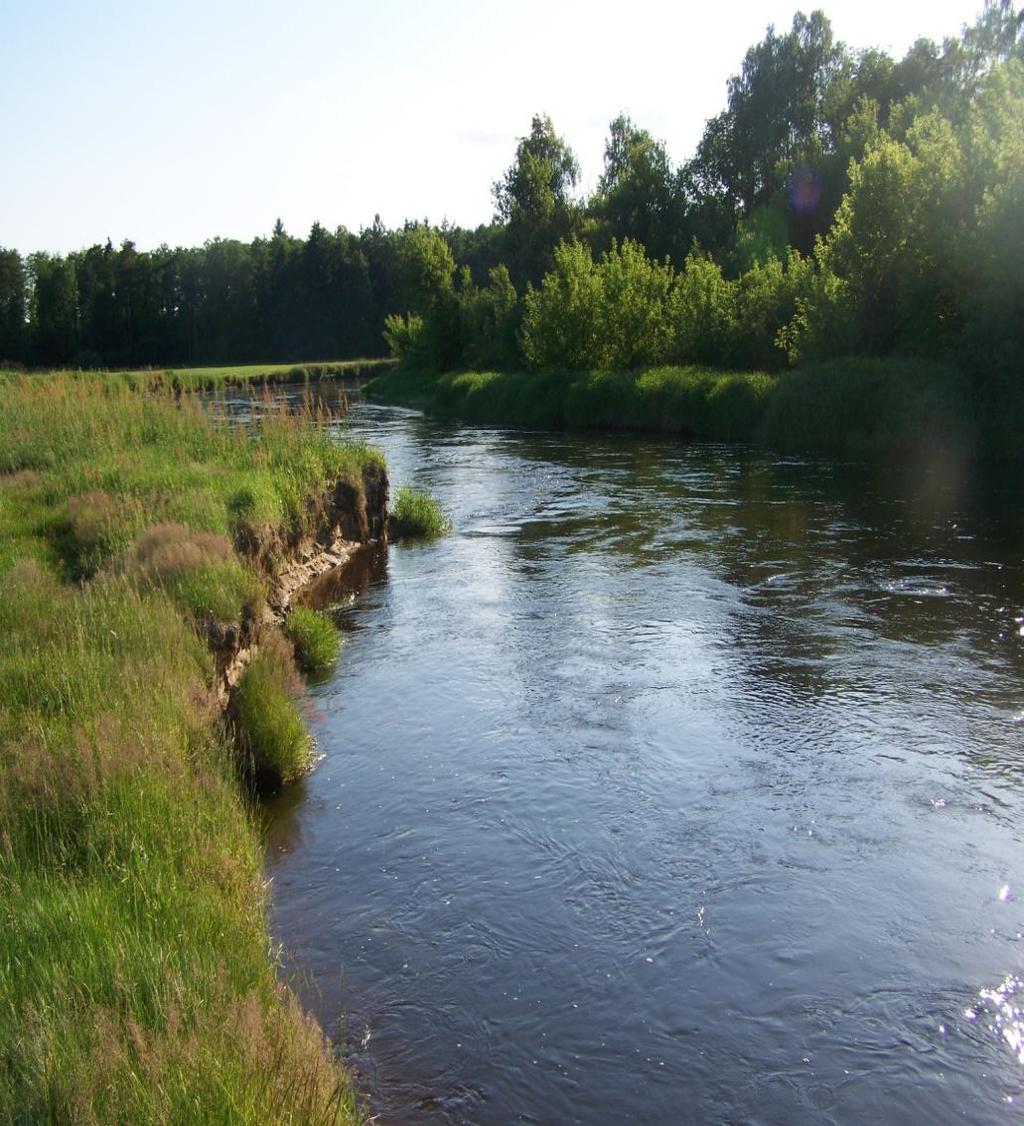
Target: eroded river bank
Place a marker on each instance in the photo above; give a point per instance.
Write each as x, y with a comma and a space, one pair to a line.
681, 783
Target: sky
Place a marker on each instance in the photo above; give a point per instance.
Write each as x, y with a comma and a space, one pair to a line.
180, 122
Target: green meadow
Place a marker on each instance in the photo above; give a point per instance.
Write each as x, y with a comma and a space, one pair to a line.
137, 977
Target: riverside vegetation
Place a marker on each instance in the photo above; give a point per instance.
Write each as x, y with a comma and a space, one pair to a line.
417, 515
859, 289
836, 265
138, 540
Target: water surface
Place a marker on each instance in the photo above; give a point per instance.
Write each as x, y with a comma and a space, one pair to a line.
681, 784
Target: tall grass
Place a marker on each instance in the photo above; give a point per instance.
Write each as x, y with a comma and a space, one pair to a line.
87, 465
417, 515
240, 375
692, 401
134, 979
861, 406
315, 640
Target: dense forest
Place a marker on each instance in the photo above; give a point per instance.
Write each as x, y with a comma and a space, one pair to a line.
844, 202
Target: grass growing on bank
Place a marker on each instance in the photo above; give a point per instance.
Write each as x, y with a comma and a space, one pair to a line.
134, 978
238, 375
856, 406
88, 466
235, 375
416, 514
315, 640
271, 734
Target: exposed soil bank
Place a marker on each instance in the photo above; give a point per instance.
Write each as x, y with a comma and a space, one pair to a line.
347, 519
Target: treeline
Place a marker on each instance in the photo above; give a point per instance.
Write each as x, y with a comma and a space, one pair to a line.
278, 298
843, 205
844, 202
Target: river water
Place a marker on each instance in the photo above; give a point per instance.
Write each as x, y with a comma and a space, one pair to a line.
682, 783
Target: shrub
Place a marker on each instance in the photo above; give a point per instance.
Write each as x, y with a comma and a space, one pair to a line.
636, 322
403, 335
417, 514
315, 640
268, 728
705, 309
562, 319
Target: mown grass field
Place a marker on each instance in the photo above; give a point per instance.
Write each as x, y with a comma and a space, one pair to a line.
137, 982
858, 407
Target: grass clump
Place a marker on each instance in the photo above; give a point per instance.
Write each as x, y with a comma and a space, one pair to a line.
416, 514
314, 638
199, 571
268, 727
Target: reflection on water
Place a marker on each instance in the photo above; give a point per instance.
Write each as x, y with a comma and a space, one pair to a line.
680, 784
1006, 1012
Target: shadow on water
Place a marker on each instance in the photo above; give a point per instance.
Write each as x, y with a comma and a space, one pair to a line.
336, 591
680, 784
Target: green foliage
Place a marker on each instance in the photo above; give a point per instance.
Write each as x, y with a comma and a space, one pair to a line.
491, 318
871, 407
638, 196
134, 979
635, 317
561, 319
268, 728
534, 201
615, 313
314, 638
427, 266
431, 334
689, 401
417, 515
404, 336
861, 407
13, 306
768, 296
704, 303
87, 464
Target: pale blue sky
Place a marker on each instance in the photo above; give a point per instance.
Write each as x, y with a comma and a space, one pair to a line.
176, 122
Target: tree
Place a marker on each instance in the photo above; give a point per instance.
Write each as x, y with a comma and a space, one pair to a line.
54, 309
13, 306
534, 200
427, 272
638, 196
776, 108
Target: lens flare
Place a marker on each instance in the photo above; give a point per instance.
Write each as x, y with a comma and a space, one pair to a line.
804, 189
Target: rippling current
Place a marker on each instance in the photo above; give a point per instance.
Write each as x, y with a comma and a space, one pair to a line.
682, 783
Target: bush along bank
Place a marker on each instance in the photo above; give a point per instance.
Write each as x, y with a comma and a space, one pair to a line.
856, 407
146, 554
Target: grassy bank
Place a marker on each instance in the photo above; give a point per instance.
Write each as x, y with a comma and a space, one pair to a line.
261, 375
848, 406
135, 982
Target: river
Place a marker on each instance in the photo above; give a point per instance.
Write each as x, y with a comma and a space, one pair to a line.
681, 783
